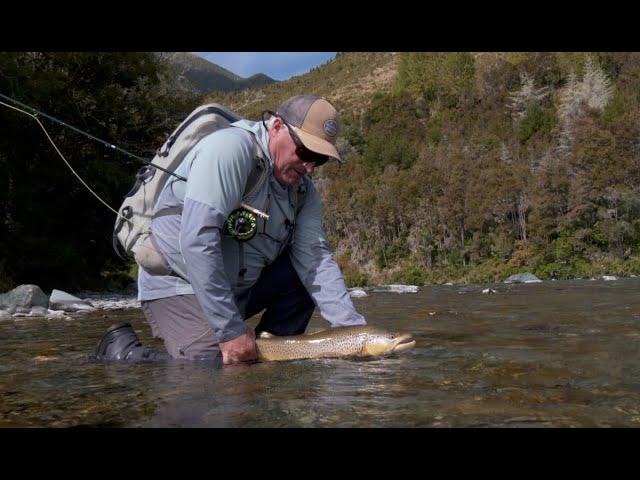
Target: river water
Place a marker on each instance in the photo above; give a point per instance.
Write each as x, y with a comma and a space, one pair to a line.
553, 354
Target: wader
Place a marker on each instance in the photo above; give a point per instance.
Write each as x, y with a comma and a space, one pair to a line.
186, 333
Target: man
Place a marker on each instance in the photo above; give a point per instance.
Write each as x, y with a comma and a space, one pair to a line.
221, 274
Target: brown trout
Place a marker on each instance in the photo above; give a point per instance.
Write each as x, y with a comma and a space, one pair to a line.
360, 341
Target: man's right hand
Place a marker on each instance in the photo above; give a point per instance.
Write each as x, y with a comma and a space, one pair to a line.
240, 349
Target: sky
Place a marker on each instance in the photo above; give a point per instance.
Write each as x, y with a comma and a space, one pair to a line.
277, 65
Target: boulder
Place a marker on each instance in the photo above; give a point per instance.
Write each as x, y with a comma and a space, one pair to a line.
523, 278
23, 298
60, 300
609, 278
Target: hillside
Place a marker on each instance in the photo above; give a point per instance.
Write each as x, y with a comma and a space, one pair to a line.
472, 166
349, 81
199, 75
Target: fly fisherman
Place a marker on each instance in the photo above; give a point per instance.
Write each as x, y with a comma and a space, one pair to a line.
230, 263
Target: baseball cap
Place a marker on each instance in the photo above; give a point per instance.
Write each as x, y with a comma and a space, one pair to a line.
316, 122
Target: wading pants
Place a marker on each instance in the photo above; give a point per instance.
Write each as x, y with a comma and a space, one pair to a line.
186, 333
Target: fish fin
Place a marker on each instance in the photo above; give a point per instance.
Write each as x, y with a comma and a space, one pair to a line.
266, 335
314, 332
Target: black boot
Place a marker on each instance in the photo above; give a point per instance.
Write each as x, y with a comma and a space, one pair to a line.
121, 343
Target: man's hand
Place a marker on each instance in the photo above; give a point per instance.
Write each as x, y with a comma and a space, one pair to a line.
240, 349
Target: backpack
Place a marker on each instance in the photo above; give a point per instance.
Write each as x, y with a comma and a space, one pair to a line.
131, 232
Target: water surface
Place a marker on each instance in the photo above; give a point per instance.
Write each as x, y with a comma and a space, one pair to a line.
555, 354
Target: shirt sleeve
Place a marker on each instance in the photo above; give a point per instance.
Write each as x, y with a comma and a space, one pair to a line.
317, 268
217, 180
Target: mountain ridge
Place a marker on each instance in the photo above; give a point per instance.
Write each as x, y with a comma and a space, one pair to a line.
200, 75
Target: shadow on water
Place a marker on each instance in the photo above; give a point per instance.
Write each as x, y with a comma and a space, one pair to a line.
558, 354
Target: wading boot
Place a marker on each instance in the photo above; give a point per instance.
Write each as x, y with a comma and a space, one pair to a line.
121, 343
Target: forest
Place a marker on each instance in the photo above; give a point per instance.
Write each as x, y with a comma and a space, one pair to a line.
461, 166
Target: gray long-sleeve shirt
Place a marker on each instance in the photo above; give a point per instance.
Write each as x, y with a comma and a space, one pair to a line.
209, 262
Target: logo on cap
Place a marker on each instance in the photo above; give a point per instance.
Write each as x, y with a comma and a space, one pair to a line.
331, 127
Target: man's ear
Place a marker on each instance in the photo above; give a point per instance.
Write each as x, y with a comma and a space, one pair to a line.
275, 126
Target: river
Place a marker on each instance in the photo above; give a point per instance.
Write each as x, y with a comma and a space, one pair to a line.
552, 354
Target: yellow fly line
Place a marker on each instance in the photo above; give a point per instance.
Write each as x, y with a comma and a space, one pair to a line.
35, 117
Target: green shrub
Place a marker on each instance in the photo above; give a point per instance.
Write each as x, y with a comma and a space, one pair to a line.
384, 150
536, 119
355, 278
410, 275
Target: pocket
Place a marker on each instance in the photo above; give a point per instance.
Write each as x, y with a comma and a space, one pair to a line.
204, 345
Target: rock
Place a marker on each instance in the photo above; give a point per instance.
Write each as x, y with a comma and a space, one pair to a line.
30, 312
55, 314
489, 291
523, 278
609, 278
357, 293
23, 297
396, 288
63, 301
5, 316
39, 311
449, 284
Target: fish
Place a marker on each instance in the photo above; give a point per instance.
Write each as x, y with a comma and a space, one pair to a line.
358, 341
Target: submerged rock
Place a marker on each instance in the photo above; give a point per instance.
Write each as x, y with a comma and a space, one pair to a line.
523, 278
111, 301
396, 288
23, 298
64, 301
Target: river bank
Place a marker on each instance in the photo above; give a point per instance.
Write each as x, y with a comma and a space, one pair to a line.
490, 271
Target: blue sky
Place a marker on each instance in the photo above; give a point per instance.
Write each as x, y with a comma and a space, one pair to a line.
278, 65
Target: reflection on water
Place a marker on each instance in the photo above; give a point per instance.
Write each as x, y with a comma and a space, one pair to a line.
551, 354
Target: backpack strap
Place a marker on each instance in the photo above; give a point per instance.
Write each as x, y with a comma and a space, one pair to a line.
298, 202
258, 175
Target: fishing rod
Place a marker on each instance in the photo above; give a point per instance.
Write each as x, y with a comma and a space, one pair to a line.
35, 112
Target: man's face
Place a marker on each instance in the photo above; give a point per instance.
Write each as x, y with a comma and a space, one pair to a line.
288, 168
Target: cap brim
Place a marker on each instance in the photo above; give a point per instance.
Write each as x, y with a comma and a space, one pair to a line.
318, 145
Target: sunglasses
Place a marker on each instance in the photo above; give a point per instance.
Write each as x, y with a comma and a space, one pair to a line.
303, 153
